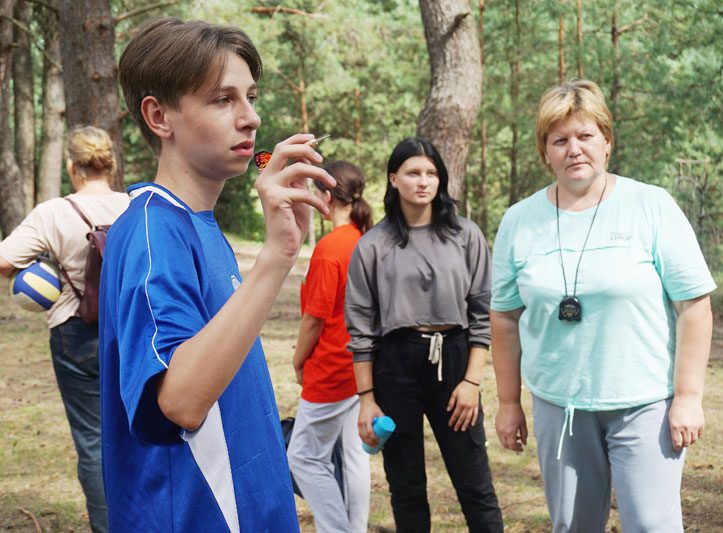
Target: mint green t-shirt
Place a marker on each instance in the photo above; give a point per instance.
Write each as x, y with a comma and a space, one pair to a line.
641, 254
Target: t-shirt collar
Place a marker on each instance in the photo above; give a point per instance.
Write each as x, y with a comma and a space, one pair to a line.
142, 188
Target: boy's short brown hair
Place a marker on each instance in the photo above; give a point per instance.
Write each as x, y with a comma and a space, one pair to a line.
168, 58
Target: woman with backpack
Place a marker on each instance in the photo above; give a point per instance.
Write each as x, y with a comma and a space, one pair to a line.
57, 228
329, 405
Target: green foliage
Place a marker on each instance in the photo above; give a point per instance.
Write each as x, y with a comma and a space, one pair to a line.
366, 75
364, 70
237, 209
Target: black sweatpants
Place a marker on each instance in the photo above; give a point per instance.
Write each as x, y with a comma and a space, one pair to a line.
406, 387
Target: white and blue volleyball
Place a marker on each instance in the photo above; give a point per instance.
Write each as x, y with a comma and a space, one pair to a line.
37, 287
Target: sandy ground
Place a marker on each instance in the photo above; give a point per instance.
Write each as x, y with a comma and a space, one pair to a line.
37, 469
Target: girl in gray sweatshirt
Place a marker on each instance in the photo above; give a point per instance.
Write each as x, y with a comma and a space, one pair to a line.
417, 311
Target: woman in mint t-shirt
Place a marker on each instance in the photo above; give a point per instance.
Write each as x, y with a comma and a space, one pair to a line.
600, 302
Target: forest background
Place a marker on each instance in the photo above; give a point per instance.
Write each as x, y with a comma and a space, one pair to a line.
360, 71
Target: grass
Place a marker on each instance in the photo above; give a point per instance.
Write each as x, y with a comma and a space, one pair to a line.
37, 459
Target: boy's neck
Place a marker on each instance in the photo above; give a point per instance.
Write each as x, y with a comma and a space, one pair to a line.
197, 192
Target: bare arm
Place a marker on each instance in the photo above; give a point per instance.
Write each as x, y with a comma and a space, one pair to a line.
693, 336
368, 408
202, 367
309, 332
510, 422
465, 397
6, 269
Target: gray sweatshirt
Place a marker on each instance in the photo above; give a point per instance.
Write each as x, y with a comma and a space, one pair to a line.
427, 283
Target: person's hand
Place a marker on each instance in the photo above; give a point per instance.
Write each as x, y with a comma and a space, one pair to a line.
511, 426
686, 420
285, 198
368, 411
464, 404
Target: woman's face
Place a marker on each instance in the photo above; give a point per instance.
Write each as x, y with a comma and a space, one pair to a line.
577, 151
417, 182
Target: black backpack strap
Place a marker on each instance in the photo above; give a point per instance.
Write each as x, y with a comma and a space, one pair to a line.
80, 212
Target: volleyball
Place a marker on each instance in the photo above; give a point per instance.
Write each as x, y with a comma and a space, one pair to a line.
37, 287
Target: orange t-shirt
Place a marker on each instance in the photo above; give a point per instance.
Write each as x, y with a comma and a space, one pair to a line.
329, 371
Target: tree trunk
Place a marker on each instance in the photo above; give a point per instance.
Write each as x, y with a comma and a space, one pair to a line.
12, 204
615, 87
311, 237
87, 40
357, 118
561, 49
481, 192
514, 97
51, 151
455, 94
24, 104
578, 39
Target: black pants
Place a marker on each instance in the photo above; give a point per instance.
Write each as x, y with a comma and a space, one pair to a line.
406, 388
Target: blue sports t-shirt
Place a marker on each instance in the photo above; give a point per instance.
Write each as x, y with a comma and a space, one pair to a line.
641, 254
166, 272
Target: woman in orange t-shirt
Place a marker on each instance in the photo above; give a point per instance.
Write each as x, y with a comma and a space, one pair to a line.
328, 408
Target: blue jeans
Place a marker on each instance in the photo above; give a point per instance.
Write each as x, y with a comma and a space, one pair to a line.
74, 348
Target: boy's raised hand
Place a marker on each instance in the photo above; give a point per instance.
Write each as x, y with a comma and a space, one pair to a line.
285, 198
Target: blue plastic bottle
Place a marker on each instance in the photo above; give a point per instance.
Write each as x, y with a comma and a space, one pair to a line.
383, 427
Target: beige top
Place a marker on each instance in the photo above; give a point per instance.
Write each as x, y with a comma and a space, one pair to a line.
54, 227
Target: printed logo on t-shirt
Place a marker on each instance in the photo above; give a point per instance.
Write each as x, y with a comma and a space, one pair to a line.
235, 282
620, 236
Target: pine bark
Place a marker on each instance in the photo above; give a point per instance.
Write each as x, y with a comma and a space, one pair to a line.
455, 94
615, 86
578, 39
24, 104
514, 98
87, 41
51, 150
561, 49
12, 204
483, 218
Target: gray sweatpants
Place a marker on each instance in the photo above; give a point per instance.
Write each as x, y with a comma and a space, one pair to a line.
629, 449
317, 427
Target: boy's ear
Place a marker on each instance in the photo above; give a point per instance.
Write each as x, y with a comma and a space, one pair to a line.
154, 113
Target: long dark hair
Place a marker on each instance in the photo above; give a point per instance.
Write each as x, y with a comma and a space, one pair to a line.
349, 188
444, 217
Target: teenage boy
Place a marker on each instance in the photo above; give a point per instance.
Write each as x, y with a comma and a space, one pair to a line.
190, 429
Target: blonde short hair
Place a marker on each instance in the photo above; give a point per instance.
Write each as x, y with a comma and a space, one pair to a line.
88, 148
578, 97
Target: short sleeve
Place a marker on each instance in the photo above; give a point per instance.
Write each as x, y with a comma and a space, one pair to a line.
505, 292
322, 284
478, 298
27, 240
677, 255
361, 307
160, 305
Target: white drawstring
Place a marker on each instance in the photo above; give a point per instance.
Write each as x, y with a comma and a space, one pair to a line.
435, 351
569, 414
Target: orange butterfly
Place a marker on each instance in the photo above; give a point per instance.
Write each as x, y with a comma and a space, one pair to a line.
262, 159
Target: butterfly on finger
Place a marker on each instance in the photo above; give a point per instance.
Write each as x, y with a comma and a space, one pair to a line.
263, 157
